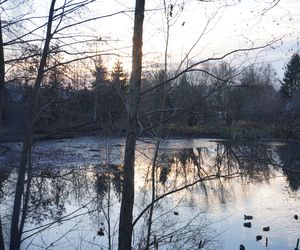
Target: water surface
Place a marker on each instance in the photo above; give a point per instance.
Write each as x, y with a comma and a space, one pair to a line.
75, 194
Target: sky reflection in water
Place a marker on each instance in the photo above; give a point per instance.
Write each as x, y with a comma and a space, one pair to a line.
80, 176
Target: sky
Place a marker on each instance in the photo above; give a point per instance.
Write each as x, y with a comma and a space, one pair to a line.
221, 25
230, 25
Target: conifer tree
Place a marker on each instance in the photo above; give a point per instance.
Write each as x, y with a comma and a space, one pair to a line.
119, 76
119, 89
100, 86
291, 80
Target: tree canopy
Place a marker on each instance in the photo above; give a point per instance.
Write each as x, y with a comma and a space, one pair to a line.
291, 80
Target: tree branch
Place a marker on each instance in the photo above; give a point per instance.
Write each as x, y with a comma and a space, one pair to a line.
206, 178
190, 68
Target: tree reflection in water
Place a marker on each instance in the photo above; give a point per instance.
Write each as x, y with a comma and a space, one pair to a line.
256, 162
290, 162
89, 195
4, 176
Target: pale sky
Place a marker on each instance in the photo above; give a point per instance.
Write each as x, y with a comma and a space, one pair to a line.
238, 25
233, 25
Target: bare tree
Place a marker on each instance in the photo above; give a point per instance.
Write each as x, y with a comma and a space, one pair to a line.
2, 73
16, 227
56, 17
125, 225
2, 245
126, 213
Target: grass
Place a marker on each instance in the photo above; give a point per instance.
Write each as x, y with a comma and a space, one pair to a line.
238, 130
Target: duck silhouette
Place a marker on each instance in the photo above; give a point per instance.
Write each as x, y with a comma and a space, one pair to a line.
100, 232
248, 217
247, 224
266, 229
242, 247
258, 237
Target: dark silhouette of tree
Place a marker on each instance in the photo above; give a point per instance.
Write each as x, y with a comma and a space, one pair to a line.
290, 160
291, 80
99, 86
125, 224
2, 73
52, 94
17, 223
11, 30
119, 88
119, 77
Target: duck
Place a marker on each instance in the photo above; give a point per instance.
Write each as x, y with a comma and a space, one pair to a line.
247, 224
242, 247
258, 237
100, 232
248, 217
266, 229
296, 217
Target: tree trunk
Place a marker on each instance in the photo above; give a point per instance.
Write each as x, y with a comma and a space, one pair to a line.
2, 245
15, 239
153, 182
125, 225
95, 106
2, 74
15, 232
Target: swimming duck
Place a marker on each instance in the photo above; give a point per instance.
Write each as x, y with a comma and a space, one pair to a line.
100, 232
258, 237
248, 217
247, 224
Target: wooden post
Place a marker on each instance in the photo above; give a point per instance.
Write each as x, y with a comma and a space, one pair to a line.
266, 241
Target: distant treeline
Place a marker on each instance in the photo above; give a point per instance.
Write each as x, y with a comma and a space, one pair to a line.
216, 100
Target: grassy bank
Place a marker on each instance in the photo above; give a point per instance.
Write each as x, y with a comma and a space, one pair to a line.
238, 130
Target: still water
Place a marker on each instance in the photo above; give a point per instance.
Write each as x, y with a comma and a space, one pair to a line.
75, 193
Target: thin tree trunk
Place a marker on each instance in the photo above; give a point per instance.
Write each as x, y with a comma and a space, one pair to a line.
2, 74
15, 232
153, 181
26, 196
167, 42
95, 106
108, 216
15, 240
158, 133
2, 245
125, 224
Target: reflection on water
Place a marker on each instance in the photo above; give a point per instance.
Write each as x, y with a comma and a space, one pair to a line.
290, 160
75, 194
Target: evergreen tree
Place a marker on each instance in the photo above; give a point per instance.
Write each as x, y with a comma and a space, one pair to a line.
118, 90
100, 73
100, 86
291, 80
53, 91
119, 77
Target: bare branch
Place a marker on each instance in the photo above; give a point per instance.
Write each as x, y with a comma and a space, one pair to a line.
206, 178
275, 2
94, 18
208, 60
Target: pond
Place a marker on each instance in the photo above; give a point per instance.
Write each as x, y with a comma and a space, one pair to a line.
75, 193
